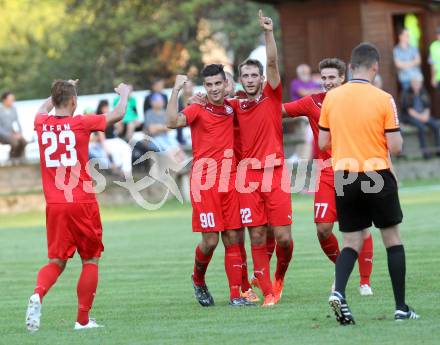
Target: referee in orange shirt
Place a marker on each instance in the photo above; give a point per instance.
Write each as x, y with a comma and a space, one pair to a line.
359, 123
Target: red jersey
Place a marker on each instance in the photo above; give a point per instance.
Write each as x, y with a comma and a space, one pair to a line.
310, 106
64, 152
212, 132
260, 126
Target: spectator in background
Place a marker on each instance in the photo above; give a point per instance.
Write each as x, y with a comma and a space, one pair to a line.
131, 119
155, 127
187, 93
416, 112
157, 87
406, 59
303, 85
434, 61
10, 129
118, 152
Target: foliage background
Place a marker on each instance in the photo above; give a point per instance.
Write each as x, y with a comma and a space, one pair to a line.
103, 42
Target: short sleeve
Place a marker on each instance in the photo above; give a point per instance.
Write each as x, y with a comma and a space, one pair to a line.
276, 93
94, 122
391, 115
191, 113
38, 119
297, 108
324, 123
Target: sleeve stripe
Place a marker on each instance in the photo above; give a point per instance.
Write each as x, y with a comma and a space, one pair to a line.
391, 130
324, 128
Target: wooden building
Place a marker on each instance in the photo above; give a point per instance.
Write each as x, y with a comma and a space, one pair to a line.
314, 29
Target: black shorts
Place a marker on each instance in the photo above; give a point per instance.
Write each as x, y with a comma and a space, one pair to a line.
371, 198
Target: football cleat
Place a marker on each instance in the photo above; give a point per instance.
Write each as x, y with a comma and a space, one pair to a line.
91, 324
254, 282
341, 309
241, 302
33, 313
278, 286
269, 301
400, 315
202, 295
250, 295
365, 290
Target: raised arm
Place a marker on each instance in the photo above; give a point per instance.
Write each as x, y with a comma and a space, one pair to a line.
272, 68
46, 107
174, 118
118, 112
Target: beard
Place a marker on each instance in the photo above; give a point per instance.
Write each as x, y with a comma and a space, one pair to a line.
252, 94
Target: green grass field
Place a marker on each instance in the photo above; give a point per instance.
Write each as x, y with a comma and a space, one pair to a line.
145, 294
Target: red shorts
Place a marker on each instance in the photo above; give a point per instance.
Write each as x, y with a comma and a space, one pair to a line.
216, 211
269, 203
325, 202
71, 227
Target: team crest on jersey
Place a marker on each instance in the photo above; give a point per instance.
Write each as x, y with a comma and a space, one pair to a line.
220, 110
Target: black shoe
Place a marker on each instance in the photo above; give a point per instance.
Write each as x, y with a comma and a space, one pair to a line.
202, 295
410, 314
241, 302
341, 309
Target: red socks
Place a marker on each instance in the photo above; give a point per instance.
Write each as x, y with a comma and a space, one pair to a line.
284, 256
270, 243
262, 268
330, 247
86, 289
200, 266
47, 276
233, 267
365, 260
245, 286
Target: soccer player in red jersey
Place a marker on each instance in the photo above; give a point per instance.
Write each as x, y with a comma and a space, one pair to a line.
72, 215
216, 208
259, 119
332, 74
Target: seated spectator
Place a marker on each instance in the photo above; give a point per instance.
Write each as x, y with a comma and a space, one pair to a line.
115, 153
155, 127
303, 85
10, 129
416, 112
406, 59
434, 60
131, 119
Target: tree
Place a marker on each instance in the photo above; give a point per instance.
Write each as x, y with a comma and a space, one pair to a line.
103, 42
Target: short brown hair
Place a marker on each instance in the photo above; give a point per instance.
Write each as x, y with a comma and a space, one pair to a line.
62, 91
333, 63
364, 55
251, 62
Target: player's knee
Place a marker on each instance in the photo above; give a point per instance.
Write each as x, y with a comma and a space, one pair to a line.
324, 230
59, 262
284, 241
210, 243
258, 238
283, 236
91, 261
